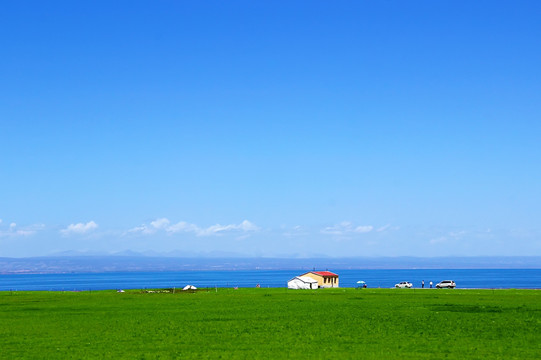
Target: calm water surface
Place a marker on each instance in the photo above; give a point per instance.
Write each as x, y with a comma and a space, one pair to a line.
478, 278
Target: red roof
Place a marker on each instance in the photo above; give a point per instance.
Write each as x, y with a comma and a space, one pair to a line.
324, 273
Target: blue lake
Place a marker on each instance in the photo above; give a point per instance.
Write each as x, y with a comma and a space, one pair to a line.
476, 278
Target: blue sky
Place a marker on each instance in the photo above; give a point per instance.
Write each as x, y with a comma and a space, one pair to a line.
271, 128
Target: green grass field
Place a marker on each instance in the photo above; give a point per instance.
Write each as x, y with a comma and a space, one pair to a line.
272, 323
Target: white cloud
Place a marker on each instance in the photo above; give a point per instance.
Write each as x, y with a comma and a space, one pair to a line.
79, 228
14, 230
138, 229
364, 229
295, 231
438, 240
164, 224
347, 227
455, 236
244, 226
160, 223
25, 232
183, 226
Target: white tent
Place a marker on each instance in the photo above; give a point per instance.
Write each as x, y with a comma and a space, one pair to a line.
189, 287
302, 282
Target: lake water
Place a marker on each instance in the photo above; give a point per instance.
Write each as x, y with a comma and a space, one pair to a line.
476, 278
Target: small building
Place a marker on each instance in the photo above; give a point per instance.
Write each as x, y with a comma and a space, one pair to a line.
302, 282
325, 279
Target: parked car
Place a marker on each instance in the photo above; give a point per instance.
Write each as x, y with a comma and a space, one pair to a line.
450, 284
404, 284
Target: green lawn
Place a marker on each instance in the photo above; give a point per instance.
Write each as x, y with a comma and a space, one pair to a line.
272, 323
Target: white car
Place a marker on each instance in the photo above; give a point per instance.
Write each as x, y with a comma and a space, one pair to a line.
449, 284
404, 284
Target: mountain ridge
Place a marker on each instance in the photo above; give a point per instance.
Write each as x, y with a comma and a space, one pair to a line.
133, 261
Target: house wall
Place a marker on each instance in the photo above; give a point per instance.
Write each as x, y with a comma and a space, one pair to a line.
330, 282
322, 281
316, 277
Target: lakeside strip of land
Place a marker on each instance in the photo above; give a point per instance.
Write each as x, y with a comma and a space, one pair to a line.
109, 263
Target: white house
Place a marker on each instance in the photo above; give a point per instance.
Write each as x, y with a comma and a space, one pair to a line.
302, 282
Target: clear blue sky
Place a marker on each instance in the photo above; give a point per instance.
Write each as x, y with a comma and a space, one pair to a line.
273, 128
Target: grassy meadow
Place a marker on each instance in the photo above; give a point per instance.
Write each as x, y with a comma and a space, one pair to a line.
272, 323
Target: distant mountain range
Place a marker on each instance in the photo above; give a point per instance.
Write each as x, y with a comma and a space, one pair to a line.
132, 261
149, 253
